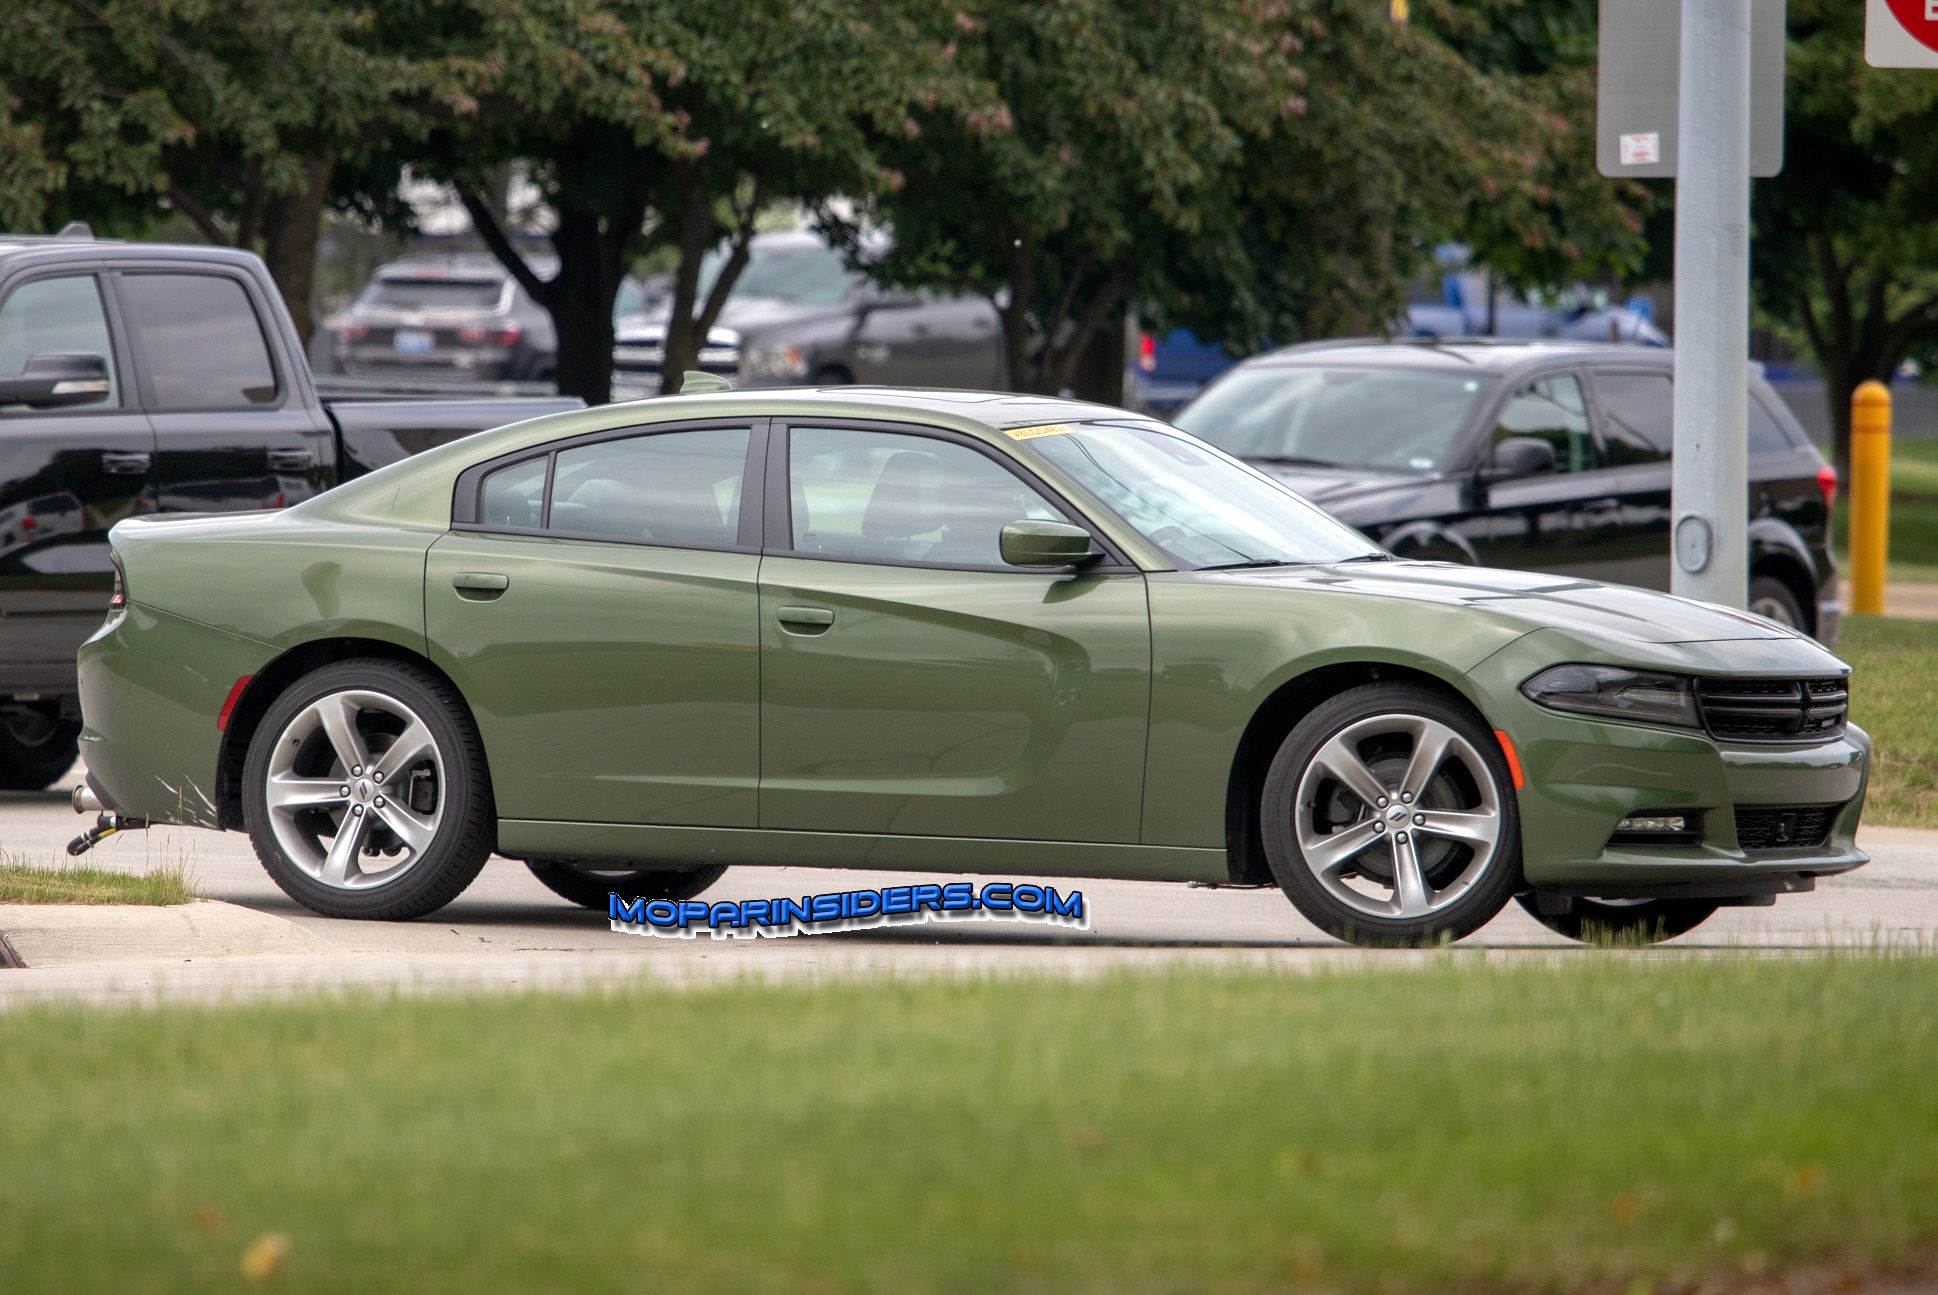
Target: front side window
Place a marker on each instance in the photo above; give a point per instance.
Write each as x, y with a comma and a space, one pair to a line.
56, 315
1199, 507
893, 497
1552, 409
679, 488
1394, 419
200, 341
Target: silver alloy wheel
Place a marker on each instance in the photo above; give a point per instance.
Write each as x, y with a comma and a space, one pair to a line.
1774, 609
355, 789
1397, 816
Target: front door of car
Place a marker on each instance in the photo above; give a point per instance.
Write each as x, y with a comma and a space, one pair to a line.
67, 474
231, 432
596, 601
1553, 521
912, 683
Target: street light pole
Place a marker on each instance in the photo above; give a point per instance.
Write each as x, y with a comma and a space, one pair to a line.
1711, 462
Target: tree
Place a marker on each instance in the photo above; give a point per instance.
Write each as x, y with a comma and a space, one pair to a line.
1845, 247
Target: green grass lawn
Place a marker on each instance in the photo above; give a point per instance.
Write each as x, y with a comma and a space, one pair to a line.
25, 884
1914, 511
1614, 1123
1894, 698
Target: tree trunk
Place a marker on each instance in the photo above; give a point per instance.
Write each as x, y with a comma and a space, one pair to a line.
1100, 369
292, 223
686, 331
1015, 313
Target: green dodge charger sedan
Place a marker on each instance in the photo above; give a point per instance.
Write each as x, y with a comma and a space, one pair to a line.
948, 632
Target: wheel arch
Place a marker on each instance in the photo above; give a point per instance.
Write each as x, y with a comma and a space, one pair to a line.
1779, 552
1277, 716
276, 678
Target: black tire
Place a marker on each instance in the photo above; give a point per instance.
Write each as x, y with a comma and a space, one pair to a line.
36, 749
1595, 921
457, 794
588, 884
1461, 886
1771, 598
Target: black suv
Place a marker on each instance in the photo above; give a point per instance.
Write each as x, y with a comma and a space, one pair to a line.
1550, 456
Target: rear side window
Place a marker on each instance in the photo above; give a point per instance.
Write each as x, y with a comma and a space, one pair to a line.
61, 314
1638, 416
1766, 434
670, 488
514, 496
200, 341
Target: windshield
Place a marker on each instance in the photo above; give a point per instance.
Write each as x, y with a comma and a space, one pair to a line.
812, 276
1360, 418
1199, 507
435, 294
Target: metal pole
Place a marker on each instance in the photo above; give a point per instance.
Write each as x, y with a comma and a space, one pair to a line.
1711, 464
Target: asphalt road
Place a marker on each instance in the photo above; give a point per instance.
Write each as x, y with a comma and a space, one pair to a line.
508, 929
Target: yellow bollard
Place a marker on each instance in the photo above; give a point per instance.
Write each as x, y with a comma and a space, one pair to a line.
1870, 522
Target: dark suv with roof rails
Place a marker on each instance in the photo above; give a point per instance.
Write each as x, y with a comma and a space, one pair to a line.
1549, 456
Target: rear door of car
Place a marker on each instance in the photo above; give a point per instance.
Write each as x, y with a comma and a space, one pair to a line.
66, 476
596, 602
1635, 420
232, 430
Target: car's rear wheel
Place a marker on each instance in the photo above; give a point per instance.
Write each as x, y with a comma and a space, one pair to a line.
1771, 598
365, 792
36, 747
589, 884
1389, 818
1623, 921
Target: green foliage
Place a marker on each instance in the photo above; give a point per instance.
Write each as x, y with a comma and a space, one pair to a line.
1601, 1122
23, 883
1894, 698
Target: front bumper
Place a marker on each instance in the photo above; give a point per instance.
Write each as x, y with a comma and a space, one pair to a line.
1583, 776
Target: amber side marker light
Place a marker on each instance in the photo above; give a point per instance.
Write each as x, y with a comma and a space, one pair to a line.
1513, 757
235, 695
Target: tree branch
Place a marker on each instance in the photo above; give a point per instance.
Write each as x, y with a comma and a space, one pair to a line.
200, 216
1115, 285
494, 238
736, 262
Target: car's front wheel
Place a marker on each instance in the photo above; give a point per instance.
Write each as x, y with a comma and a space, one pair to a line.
365, 792
1623, 921
1389, 817
589, 884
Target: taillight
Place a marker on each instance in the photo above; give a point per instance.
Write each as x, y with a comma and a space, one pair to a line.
507, 336
1827, 484
119, 598
352, 332
1147, 353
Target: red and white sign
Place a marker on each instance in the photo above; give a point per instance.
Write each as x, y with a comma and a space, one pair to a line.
1642, 150
1901, 33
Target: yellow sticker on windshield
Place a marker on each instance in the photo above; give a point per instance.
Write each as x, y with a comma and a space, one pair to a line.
1031, 433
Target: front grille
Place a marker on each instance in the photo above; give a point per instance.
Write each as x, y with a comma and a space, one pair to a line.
1784, 827
1773, 710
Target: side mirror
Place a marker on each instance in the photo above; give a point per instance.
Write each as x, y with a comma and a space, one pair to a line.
1046, 544
54, 379
1517, 457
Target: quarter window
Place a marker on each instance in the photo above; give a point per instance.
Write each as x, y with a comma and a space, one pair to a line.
61, 314
200, 341
892, 497
514, 496
1552, 409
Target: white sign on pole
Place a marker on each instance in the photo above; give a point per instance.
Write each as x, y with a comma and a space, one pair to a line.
1639, 84
1901, 33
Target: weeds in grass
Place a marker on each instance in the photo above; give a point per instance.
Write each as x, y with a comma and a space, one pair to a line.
27, 883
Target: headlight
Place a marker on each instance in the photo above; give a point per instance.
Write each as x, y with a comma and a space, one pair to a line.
775, 362
1616, 693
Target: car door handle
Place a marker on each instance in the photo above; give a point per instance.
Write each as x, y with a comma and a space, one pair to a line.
805, 620
291, 460
126, 464
480, 586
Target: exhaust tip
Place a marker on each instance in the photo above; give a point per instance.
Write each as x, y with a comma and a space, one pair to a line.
85, 801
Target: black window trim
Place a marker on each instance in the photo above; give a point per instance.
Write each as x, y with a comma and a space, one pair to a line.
465, 494
272, 350
780, 506
124, 369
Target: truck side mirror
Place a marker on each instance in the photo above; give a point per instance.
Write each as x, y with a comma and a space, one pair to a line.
1517, 457
1046, 544
54, 379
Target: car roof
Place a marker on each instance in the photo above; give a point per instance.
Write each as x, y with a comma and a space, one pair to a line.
480, 266
1453, 355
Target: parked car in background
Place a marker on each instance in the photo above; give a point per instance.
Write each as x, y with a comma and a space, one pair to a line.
1549, 456
139, 379
799, 314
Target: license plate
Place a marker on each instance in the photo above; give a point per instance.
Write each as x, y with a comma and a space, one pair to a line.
413, 341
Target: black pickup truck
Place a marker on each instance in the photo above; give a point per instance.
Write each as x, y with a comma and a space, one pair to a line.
139, 378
